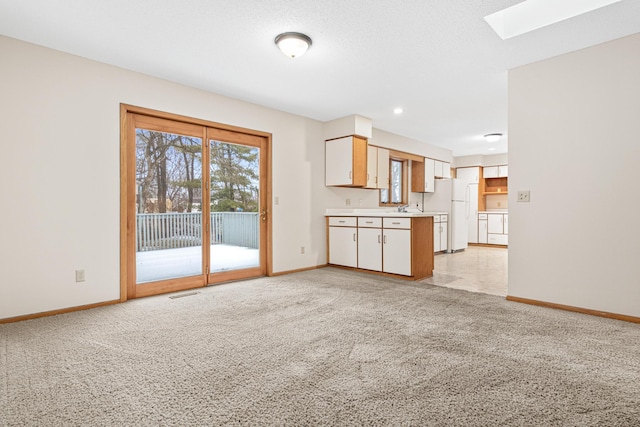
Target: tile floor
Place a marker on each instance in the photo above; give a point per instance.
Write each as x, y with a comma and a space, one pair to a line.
476, 269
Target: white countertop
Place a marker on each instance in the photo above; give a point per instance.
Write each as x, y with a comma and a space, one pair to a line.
502, 211
382, 212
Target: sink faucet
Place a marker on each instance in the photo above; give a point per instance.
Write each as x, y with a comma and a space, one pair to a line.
403, 208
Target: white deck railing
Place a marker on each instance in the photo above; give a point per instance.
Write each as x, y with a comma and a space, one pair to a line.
157, 231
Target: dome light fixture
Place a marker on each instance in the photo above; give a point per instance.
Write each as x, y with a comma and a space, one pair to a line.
493, 137
293, 44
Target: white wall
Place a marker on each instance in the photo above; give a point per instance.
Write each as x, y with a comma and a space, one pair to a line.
574, 126
60, 175
481, 160
401, 143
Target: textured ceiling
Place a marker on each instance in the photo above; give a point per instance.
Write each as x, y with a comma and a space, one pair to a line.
437, 59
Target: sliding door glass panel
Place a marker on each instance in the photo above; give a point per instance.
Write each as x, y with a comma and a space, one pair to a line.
235, 206
168, 206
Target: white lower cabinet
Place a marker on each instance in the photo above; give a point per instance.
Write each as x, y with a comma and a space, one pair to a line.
370, 243
391, 245
440, 230
493, 228
483, 229
343, 241
396, 246
396, 252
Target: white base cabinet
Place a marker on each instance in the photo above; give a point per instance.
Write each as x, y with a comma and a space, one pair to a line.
392, 245
370, 243
493, 228
343, 241
440, 233
396, 252
483, 229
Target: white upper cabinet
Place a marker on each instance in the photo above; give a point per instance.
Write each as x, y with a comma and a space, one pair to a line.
495, 171
345, 162
383, 168
469, 175
429, 176
437, 171
377, 167
372, 167
446, 170
423, 176
442, 169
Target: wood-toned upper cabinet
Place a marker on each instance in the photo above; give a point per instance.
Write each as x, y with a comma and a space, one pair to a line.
346, 162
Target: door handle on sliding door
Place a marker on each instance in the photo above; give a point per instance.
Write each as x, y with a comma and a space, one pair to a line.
263, 215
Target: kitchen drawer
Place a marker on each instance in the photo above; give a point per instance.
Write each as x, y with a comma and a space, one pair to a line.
342, 221
498, 239
365, 221
482, 216
444, 218
436, 218
396, 222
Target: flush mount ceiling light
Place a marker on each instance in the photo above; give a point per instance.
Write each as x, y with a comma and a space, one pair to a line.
533, 14
397, 110
493, 137
293, 44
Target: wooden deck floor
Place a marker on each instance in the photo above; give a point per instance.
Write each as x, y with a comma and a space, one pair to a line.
183, 262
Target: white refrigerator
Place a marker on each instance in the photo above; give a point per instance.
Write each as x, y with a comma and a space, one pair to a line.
459, 221
470, 176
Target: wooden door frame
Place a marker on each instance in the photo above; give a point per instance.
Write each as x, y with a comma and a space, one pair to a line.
127, 196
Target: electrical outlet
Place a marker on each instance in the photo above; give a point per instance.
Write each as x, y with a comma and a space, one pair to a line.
276, 200
302, 250
348, 202
524, 196
79, 275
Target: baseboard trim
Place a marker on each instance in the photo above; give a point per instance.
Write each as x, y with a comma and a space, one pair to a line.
488, 245
56, 312
598, 313
298, 270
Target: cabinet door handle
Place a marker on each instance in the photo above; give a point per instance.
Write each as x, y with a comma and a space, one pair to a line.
349, 174
384, 239
378, 238
354, 237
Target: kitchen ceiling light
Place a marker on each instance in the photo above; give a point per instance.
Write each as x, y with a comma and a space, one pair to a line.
293, 44
397, 110
493, 137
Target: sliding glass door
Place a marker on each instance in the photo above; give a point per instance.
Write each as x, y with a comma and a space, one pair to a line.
196, 213
237, 197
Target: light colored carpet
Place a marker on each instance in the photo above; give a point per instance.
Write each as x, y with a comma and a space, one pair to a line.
324, 347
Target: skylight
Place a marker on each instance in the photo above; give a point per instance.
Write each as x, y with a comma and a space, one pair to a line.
533, 14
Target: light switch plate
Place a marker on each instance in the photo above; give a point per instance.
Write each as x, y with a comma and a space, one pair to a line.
524, 196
